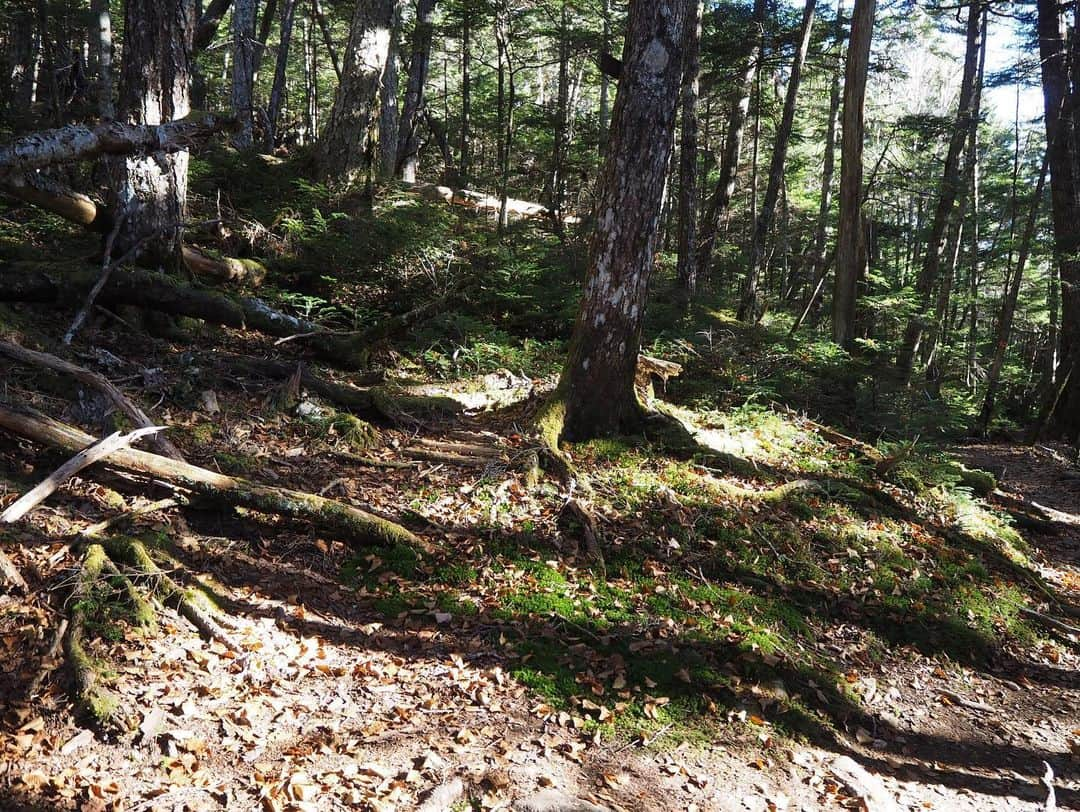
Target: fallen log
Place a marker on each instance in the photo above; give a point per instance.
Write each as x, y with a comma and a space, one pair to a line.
59, 283
76, 142
83, 210
140, 418
354, 525
83, 459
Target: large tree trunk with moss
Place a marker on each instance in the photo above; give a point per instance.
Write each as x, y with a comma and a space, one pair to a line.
150, 191
720, 199
850, 237
1063, 150
950, 189
412, 108
750, 306
345, 148
598, 380
687, 271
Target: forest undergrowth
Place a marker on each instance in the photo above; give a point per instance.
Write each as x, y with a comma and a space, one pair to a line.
824, 572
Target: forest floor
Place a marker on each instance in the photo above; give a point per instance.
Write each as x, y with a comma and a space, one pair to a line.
791, 618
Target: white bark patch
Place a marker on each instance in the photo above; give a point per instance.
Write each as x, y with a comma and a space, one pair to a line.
655, 58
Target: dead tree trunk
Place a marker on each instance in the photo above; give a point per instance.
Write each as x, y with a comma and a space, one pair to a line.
345, 149
598, 380
850, 239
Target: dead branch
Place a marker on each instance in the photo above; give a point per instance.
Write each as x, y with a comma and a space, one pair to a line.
11, 576
353, 524
86, 376
88, 456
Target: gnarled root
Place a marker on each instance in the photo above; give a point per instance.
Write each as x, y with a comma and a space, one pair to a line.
100, 703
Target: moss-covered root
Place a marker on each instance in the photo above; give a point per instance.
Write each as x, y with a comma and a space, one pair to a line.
774, 496
142, 610
92, 696
190, 603
549, 427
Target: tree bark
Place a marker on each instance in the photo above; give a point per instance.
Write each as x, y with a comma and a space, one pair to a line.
950, 189
243, 70
208, 24
750, 306
598, 380
412, 108
154, 79
850, 239
720, 199
1063, 140
100, 41
687, 269
389, 112
277, 93
345, 150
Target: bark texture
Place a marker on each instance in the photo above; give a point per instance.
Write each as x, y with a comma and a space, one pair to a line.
1063, 151
152, 189
412, 108
346, 146
243, 70
598, 381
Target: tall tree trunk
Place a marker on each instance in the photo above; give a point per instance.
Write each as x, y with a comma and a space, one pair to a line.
465, 146
1063, 140
20, 54
850, 247
243, 70
277, 93
389, 112
150, 191
605, 44
821, 229
345, 149
750, 306
506, 94
1008, 306
328, 41
266, 22
311, 84
598, 381
951, 185
561, 141
412, 108
208, 24
687, 270
100, 41
729, 164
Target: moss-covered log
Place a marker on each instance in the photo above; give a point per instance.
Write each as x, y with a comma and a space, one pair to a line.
351, 524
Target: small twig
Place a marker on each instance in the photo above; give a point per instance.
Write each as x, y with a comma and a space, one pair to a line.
970, 704
48, 661
99, 528
106, 270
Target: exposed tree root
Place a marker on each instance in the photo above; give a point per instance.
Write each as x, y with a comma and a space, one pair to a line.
780, 493
190, 603
93, 697
352, 524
